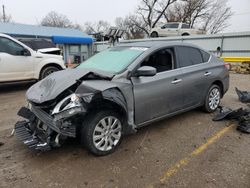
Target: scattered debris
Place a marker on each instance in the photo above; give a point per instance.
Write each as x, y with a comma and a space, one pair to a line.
244, 96
242, 116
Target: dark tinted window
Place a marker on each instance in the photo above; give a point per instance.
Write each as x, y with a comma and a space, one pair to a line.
162, 60
37, 44
10, 47
171, 26
189, 56
205, 56
185, 26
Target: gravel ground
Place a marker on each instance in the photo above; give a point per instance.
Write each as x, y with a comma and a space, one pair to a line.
141, 160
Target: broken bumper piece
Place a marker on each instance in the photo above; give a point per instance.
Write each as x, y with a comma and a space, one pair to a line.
41, 131
24, 134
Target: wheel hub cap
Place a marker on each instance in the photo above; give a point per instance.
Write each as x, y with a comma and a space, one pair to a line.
107, 133
214, 98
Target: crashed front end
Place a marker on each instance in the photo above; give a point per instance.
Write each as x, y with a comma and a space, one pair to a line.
55, 110
47, 127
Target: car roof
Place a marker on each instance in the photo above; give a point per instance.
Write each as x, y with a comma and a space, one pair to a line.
154, 44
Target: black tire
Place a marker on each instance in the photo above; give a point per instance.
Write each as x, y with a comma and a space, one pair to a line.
91, 126
185, 34
154, 35
47, 71
211, 101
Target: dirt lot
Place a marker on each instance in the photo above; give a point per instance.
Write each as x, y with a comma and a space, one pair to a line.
189, 150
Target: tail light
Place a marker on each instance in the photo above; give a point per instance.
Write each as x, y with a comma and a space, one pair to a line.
227, 65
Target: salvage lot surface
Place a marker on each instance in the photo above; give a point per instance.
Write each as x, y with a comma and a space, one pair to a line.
162, 150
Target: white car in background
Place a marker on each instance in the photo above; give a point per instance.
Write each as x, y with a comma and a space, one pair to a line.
174, 29
18, 62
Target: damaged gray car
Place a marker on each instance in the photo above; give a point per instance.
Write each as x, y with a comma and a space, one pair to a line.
118, 91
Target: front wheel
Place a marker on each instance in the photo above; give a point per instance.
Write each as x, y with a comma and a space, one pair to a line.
102, 132
212, 100
47, 71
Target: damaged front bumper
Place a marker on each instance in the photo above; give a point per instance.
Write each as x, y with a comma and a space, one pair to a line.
41, 131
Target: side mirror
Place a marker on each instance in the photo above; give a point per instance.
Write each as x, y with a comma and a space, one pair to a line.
25, 52
145, 71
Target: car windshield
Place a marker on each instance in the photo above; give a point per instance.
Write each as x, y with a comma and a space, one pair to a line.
113, 60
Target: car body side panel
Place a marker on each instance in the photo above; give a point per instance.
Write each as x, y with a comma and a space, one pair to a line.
157, 96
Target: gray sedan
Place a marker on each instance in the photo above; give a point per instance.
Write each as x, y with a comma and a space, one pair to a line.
118, 91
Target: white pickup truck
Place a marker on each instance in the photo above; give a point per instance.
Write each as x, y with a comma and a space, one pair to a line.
174, 29
18, 62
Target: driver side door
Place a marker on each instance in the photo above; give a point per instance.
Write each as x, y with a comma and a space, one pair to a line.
16, 62
160, 95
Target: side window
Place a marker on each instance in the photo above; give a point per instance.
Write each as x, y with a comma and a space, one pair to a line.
189, 56
10, 47
205, 56
185, 26
170, 26
162, 60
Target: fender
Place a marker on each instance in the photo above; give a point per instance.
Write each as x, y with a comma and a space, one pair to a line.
117, 92
45, 61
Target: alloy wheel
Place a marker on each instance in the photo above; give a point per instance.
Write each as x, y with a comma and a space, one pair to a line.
107, 133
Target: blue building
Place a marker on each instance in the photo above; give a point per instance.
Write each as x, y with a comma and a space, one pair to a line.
75, 45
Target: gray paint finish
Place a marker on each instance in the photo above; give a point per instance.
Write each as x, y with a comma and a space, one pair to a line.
147, 98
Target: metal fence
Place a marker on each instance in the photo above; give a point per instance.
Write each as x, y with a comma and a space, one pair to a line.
230, 44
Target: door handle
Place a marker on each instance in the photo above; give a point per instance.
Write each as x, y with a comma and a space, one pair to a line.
176, 81
207, 73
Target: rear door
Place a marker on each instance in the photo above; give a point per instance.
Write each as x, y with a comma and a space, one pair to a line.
15, 63
161, 94
196, 74
170, 29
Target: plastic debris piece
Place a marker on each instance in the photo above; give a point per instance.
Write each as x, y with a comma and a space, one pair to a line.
244, 96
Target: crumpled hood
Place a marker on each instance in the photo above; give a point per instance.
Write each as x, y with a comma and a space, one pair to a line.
53, 85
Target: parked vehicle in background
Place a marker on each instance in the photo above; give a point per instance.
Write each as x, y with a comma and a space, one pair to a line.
41, 45
19, 62
119, 90
174, 29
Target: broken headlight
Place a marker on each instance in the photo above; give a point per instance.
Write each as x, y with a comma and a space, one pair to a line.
68, 107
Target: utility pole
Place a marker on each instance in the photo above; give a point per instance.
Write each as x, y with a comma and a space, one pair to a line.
4, 16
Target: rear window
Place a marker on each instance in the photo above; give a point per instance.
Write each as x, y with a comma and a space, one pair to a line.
205, 56
185, 26
189, 56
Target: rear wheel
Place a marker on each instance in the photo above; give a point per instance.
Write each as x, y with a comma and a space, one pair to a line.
47, 71
154, 35
212, 100
102, 132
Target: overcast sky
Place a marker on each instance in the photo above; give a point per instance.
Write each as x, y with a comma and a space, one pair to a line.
80, 11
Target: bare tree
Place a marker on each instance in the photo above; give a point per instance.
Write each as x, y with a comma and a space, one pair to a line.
188, 11
150, 12
132, 30
211, 16
54, 19
5, 17
217, 20
97, 27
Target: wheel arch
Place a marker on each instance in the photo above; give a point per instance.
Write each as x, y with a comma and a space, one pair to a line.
49, 65
106, 104
221, 86
156, 32
185, 34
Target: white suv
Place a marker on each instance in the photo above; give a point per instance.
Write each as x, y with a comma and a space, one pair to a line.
18, 62
174, 29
